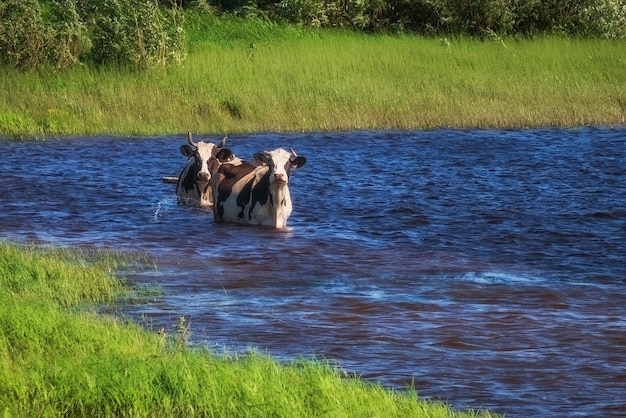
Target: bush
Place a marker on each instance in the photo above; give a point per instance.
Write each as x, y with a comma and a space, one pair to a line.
478, 18
133, 32
22, 37
60, 33
588, 18
600, 18
35, 34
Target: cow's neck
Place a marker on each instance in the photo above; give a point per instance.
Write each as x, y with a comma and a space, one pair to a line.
204, 193
280, 202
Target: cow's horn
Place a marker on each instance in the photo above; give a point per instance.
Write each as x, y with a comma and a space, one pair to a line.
190, 140
222, 142
293, 153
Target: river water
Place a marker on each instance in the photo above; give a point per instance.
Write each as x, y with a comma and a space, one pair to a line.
487, 268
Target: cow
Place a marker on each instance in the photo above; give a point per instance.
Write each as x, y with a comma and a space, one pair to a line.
194, 182
255, 194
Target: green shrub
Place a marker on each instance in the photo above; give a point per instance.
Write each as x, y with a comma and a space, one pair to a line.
587, 18
69, 35
600, 18
61, 33
478, 18
321, 13
133, 32
35, 34
21, 33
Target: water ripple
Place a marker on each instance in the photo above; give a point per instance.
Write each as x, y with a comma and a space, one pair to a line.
484, 267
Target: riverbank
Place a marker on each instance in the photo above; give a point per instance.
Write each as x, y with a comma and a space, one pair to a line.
254, 76
58, 356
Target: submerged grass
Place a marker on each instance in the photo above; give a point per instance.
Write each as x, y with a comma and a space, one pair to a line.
250, 76
59, 358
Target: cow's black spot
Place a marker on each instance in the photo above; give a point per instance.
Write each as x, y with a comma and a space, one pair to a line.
187, 178
260, 193
244, 197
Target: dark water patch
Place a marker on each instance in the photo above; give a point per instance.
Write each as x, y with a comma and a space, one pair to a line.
484, 267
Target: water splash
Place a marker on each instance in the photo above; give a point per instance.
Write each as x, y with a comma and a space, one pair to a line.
494, 277
163, 206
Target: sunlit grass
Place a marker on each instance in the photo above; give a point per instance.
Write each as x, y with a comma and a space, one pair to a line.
58, 357
256, 76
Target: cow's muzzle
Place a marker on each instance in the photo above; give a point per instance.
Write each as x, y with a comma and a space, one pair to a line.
280, 179
204, 176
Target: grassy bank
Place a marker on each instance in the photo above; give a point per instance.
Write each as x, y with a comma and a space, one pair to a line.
253, 76
59, 358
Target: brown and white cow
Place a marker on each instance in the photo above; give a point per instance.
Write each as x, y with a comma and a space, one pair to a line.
194, 182
252, 194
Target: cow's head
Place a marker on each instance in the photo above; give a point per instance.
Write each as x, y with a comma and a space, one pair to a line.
205, 157
280, 163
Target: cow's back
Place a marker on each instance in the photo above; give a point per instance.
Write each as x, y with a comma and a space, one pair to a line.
232, 189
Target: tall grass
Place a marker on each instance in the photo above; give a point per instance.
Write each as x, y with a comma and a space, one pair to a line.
59, 358
256, 76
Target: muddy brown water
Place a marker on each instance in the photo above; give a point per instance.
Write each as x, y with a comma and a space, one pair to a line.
487, 268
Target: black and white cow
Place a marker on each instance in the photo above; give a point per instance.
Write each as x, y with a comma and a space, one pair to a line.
194, 182
252, 194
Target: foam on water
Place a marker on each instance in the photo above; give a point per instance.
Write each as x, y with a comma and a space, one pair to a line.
499, 277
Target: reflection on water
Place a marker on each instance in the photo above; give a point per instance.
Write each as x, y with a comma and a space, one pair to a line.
487, 267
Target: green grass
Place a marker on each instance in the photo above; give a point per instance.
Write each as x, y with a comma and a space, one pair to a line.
58, 357
252, 76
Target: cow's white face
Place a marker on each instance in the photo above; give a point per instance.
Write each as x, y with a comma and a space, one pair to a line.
209, 164
205, 162
280, 163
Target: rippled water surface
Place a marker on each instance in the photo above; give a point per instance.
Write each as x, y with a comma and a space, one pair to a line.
487, 267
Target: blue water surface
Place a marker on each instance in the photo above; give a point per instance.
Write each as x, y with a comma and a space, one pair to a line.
485, 267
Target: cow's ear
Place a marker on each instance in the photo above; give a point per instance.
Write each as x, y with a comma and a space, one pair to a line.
186, 150
298, 162
224, 155
261, 158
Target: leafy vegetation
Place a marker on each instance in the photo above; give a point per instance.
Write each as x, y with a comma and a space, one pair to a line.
58, 357
252, 74
61, 33
255, 76
596, 18
145, 33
